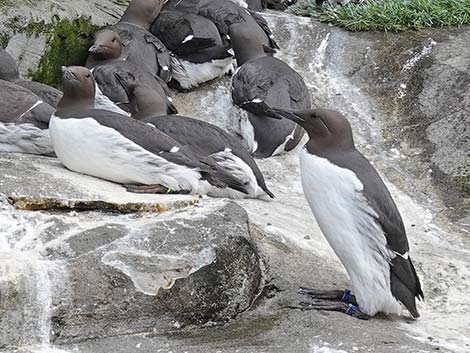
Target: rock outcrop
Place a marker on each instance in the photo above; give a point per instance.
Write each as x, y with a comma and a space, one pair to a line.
98, 273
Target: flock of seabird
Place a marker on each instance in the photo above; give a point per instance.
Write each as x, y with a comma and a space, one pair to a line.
115, 120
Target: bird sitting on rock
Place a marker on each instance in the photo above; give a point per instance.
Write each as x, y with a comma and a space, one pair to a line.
118, 148
204, 139
106, 58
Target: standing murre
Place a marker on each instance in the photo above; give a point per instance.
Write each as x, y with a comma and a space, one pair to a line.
358, 217
140, 46
118, 148
199, 51
24, 120
204, 139
9, 72
262, 78
106, 58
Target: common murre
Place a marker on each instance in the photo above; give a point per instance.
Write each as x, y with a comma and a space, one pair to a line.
118, 148
358, 217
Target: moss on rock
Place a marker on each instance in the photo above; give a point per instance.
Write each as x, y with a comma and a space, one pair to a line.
68, 42
4, 39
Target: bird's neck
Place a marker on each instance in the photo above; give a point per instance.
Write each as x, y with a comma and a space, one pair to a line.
71, 104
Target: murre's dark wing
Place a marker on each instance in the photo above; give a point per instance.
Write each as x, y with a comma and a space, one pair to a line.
20, 105
162, 55
260, 20
143, 48
265, 77
110, 86
206, 139
405, 283
48, 94
175, 29
186, 6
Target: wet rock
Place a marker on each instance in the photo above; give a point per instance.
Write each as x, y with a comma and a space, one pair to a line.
93, 275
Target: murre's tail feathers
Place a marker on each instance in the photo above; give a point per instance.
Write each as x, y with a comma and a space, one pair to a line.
405, 284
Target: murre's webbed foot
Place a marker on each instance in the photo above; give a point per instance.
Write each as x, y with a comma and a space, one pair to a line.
334, 295
153, 189
328, 305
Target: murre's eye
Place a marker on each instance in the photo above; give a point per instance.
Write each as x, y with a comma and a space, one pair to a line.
88, 76
114, 39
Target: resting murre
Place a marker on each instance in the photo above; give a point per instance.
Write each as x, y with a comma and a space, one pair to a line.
24, 120
106, 58
9, 72
117, 148
199, 52
225, 13
262, 78
358, 217
141, 46
204, 139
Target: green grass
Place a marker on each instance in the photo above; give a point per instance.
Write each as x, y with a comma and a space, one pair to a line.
390, 15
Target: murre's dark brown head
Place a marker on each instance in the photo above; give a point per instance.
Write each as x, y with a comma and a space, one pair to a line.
8, 67
107, 46
142, 12
327, 129
144, 101
245, 44
79, 89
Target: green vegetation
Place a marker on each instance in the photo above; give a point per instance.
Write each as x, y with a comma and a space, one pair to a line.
67, 44
4, 39
463, 177
390, 15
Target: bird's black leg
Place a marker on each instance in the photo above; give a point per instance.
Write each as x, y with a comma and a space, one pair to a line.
336, 295
153, 189
329, 305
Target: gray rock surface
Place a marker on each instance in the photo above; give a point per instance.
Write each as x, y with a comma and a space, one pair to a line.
87, 275
42, 183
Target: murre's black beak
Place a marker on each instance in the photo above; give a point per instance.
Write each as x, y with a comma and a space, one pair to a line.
259, 107
95, 48
67, 74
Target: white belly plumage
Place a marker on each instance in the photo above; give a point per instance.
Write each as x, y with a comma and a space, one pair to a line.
103, 102
349, 224
24, 138
190, 75
85, 146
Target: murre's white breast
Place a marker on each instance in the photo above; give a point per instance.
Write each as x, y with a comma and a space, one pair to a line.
85, 146
349, 224
190, 75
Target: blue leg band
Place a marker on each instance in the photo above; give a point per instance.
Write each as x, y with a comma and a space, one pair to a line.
346, 295
351, 309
